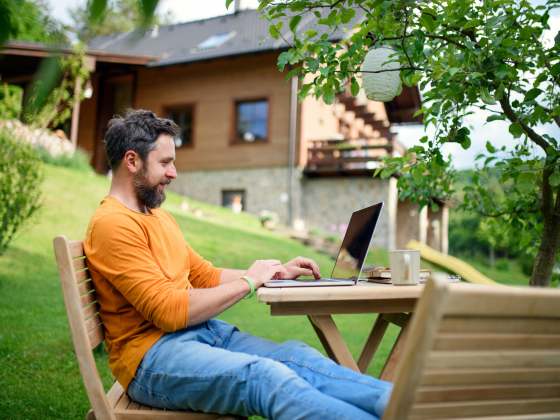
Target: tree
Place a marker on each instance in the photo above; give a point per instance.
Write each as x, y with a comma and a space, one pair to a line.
462, 54
31, 21
119, 16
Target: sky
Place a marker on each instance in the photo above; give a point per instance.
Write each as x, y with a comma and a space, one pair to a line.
496, 132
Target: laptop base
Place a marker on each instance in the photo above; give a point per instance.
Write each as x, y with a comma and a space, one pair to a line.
309, 283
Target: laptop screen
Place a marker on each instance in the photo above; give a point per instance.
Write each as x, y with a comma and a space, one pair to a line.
355, 244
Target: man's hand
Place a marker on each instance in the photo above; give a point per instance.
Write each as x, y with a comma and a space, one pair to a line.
264, 270
301, 267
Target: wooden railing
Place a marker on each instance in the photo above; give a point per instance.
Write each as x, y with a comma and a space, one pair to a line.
331, 157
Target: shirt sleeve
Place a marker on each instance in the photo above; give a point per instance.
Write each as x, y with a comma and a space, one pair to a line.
120, 252
203, 274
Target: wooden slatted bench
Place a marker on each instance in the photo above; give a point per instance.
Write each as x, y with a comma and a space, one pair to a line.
88, 332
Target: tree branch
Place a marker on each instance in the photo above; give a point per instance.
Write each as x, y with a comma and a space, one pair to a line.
512, 116
395, 38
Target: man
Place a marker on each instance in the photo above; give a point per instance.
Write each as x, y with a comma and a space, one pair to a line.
158, 297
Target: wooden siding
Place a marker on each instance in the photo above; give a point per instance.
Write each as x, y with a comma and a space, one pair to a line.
213, 88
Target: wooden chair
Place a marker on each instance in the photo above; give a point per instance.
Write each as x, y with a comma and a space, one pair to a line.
88, 332
480, 353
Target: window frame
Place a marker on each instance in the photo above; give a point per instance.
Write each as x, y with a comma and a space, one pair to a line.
234, 139
178, 107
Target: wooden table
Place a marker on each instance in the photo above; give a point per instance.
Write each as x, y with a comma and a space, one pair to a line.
393, 304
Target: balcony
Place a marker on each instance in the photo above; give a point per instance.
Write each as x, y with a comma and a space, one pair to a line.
347, 157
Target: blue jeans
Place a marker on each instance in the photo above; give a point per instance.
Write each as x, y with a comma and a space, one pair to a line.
213, 367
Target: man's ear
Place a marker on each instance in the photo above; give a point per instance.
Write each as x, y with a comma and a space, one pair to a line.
132, 162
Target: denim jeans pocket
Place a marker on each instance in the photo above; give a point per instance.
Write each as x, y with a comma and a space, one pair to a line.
144, 396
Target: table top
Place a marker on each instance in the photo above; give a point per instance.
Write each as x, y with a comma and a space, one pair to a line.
361, 291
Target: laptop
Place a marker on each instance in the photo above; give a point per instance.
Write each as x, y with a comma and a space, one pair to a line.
352, 255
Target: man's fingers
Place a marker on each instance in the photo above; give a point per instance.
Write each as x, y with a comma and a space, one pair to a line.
310, 264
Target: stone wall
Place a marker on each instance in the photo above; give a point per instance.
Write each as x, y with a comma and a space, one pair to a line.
328, 202
265, 188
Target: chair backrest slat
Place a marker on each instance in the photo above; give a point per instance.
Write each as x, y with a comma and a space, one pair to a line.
82, 275
486, 352
96, 336
85, 287
79, 263
93, 323
79, 309
451, 377
90, 311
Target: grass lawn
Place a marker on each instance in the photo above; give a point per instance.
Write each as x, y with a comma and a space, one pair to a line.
39, 375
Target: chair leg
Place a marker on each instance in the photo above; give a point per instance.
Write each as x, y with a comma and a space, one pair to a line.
90, 415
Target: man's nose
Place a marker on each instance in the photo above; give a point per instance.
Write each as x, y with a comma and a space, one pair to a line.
172, 173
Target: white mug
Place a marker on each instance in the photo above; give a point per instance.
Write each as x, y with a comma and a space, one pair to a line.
405, 267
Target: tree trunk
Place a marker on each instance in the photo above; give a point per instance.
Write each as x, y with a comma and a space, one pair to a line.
548, 251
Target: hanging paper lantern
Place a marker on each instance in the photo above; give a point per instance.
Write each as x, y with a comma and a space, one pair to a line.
380, 87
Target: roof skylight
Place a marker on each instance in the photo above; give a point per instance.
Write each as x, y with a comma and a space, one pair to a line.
215, 40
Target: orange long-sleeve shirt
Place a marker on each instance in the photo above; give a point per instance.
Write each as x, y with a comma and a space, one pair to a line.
141, 268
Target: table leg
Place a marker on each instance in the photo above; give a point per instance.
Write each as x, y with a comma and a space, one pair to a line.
372, 343
332, 341
392, 362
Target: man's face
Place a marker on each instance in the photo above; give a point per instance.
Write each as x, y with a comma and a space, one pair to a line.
156, 173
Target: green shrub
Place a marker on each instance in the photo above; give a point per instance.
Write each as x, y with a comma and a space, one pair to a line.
10, 101
80, 160
20, 179
503, 265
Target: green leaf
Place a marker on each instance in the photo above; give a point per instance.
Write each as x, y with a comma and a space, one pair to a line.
293, 72
427, 22
294, 22
503, 71
516, 130
283, 59
262, 5
466, 143
490, 148
98, 7
495, 118
274, 31
554, 179
486, 97
354, 89
453, 70
526, 182
532, 94
328, 94
499, 94
417, 174
416, 149
424, 139
228, 2
557, 111
557, 39
471, 24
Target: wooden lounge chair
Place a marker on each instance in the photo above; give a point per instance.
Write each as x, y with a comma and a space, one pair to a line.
480, 353
88, 332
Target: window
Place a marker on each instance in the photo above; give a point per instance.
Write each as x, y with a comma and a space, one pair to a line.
234, 200
215, 40
183, 117
252, 121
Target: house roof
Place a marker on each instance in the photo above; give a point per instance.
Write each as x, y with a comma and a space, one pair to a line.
177, 44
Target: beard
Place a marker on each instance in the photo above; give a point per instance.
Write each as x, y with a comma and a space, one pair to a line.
148, 195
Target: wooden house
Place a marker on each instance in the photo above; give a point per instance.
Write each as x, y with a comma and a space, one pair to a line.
245, 136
